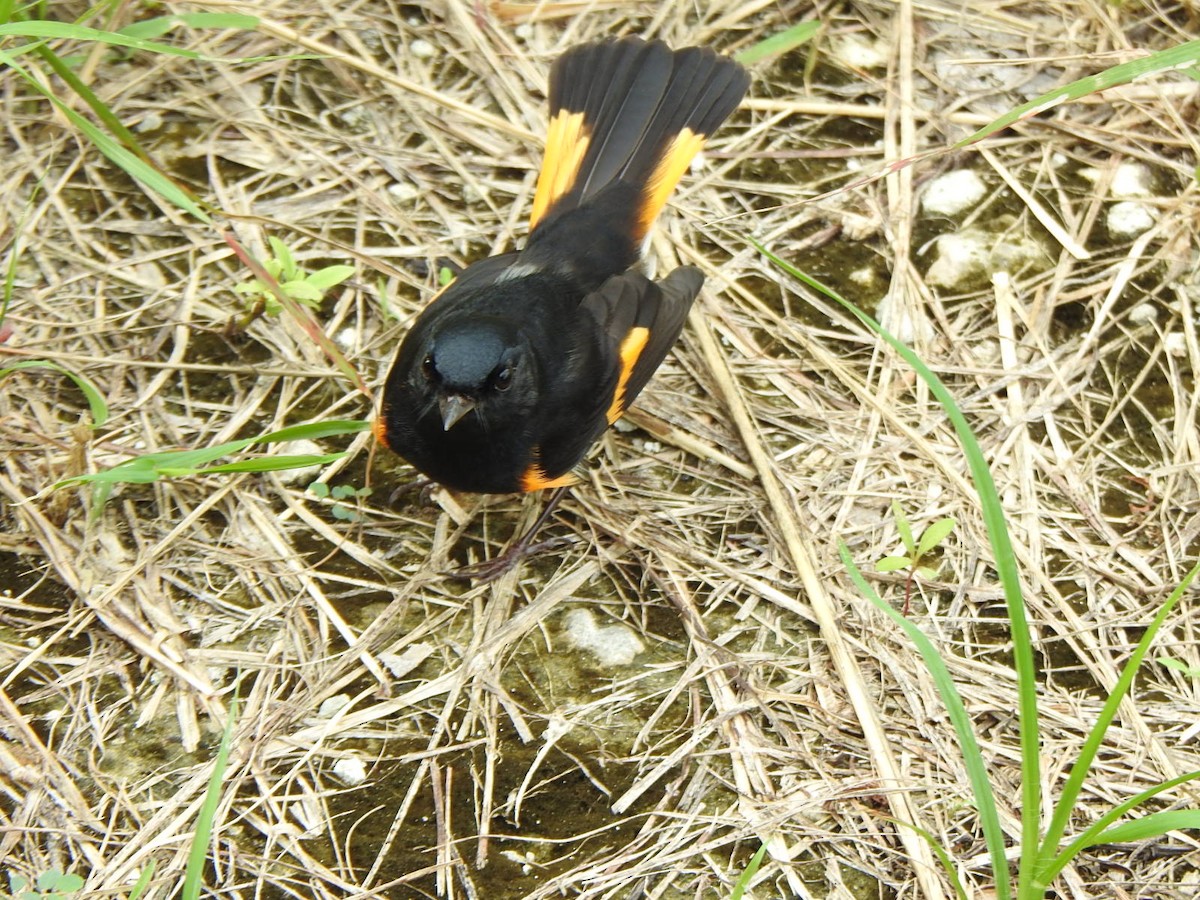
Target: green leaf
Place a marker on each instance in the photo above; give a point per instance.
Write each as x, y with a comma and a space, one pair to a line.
1183, 58
143, 882
747, 876
96, 404
933, 535
157, 27
1150, 826
329, 277
786, 40
892, 563
906, 534
302, 292
274, 463
1178, 666
977, 770
198, 852
282, 255
319, 489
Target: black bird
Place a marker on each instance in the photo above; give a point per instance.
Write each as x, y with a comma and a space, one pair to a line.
515, 369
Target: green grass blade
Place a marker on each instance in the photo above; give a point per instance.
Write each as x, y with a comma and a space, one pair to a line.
315, 431
943, 857
96, 403
136, 168
747, 876
1006, 570
150, 467
41, 28
1091, 745
1185, 56
273, 463
1089, 837
1153, 825
198, 855
143, 882
788, 39
977, 775
149, 29
98, 106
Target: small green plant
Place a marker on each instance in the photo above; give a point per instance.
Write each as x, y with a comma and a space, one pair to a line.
50, 885
338, 493
1180, 666
1044, 848
306, 288
917, 550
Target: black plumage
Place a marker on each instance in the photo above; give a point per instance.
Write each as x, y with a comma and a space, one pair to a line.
513, 371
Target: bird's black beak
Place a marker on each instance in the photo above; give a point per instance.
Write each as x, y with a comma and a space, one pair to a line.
454, 407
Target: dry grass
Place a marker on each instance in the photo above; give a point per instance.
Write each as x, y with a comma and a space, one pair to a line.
770, 700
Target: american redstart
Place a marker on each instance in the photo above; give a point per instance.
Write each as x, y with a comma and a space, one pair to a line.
515, 369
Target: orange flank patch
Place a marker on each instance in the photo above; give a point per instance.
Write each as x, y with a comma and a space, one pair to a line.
566, 143
666, 175
631, 349
379, 427
536, 479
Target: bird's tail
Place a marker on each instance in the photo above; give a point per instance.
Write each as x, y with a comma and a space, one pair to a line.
626, 119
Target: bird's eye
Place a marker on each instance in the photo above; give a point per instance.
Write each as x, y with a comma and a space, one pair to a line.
502, 379
429, 367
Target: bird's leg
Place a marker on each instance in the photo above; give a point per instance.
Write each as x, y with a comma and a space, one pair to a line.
491, 569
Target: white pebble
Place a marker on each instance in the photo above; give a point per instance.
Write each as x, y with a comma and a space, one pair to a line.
1143, 314
952, 193
1131, 180
1175, 343
403, 191
421, 48
613, 645
331, 706
859, 54
1129, 218
960, 257
350, 771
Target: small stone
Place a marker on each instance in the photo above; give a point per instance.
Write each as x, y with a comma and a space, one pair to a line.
612, 645
331, 706
350, 771
953, 192
422, 49
1175, 343
1143, 314
1131, 180
1129, 218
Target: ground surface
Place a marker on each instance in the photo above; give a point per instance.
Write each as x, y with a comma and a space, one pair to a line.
754, 694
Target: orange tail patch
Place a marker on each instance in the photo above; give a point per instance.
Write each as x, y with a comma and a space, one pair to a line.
566, 144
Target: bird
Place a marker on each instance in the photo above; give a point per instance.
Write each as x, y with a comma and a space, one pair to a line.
513, 371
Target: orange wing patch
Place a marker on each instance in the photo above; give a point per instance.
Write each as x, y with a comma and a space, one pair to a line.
666, 175
631, 349
535, 479
566, 143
